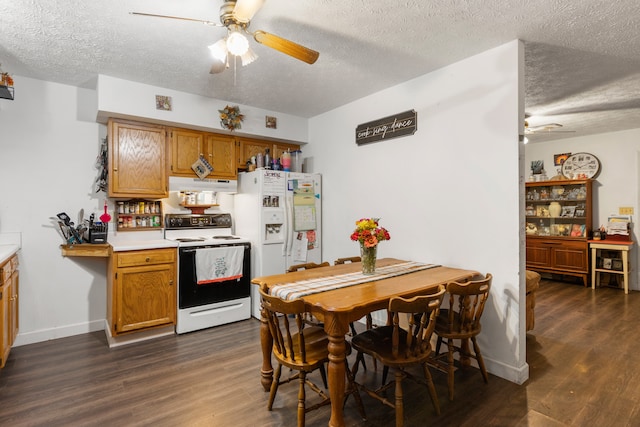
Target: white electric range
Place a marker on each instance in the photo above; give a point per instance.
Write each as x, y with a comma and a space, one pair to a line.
206, 305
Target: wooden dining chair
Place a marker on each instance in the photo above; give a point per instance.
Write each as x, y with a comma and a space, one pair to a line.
308, 317
399, 348
302, 349
461, 321
306, 266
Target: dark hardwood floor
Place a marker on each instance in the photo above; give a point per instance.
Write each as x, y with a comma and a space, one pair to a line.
584, 357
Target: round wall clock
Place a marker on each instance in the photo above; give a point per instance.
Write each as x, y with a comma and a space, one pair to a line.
581, 165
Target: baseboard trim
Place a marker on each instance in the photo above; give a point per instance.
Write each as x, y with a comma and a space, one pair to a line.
25, 338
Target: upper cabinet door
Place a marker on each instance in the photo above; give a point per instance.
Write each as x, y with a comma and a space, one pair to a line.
186, 147
221, 154
137, 161
250, 147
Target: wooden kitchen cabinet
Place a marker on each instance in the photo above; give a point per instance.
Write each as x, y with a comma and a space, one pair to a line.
142, 290
9, 315
137, 160
279, 148
188, 145
250, 147
221, 151
558, 225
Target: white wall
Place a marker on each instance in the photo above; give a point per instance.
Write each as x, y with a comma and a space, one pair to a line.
192, 111
48, 148
449, 194
617, 183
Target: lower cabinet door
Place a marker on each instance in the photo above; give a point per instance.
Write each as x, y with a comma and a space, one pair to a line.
145, 297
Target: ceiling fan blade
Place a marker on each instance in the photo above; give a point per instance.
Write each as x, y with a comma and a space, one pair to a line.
286, 46
245, 9
214, 24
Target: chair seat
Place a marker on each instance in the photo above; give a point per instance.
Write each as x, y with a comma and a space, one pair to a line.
316, 341
377, 343
453, 330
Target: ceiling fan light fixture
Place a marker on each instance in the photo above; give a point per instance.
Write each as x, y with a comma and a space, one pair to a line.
237, 43
248, 57
245, 9
219, 50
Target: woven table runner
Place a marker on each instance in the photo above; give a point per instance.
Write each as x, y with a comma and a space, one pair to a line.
293, 290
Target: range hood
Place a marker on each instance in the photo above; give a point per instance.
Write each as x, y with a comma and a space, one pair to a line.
178, 183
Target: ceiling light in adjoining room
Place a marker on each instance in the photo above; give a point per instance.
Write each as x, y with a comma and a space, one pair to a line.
237, 44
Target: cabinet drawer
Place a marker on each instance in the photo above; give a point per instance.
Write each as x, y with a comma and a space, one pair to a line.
136, 258
7, 269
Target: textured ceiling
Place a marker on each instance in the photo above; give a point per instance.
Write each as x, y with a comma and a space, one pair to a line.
582, 57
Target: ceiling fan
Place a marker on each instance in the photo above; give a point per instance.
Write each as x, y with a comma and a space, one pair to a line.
544, 128
235, 16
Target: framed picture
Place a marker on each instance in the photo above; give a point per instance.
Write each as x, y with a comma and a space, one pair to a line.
163, 103
578, 230
568, 211
270, 122
558, 159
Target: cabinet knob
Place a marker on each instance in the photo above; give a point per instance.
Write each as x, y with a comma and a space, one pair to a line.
115, 169
170, 282
148, 259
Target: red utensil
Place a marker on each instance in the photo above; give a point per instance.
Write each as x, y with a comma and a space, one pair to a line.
105, 217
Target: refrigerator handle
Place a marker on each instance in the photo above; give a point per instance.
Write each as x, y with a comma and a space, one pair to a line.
289, 230
286, 225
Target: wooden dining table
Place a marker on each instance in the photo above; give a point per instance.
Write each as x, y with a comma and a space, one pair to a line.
336, 308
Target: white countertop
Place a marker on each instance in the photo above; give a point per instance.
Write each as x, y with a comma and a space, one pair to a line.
7, 251
134, 245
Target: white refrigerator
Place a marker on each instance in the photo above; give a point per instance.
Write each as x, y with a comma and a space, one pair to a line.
280, 212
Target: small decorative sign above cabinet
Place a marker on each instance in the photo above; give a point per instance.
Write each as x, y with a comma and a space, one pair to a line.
395, 126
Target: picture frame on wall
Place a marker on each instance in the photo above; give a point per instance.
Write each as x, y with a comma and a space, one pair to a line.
558, 159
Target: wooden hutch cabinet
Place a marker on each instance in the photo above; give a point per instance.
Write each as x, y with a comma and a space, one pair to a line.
137, 161
558, 225
142, 291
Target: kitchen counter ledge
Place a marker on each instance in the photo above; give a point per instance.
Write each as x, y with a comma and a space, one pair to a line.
104, 250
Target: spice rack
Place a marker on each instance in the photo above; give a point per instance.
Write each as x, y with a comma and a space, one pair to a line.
139, 215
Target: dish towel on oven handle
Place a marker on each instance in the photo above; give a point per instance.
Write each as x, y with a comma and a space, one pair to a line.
219, 264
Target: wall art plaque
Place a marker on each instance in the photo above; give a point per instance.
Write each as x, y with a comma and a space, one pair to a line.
390, 127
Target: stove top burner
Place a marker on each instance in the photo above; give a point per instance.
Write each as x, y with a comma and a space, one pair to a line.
189, 239
226, 237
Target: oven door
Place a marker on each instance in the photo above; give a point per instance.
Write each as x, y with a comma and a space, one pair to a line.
190, 294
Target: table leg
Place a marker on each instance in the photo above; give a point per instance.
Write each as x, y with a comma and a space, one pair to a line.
593, 268
266, 342
625, 270
337, 371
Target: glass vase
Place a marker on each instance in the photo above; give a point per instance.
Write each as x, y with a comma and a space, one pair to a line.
368, 257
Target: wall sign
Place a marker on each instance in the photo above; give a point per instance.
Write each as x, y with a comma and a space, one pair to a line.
395, 126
